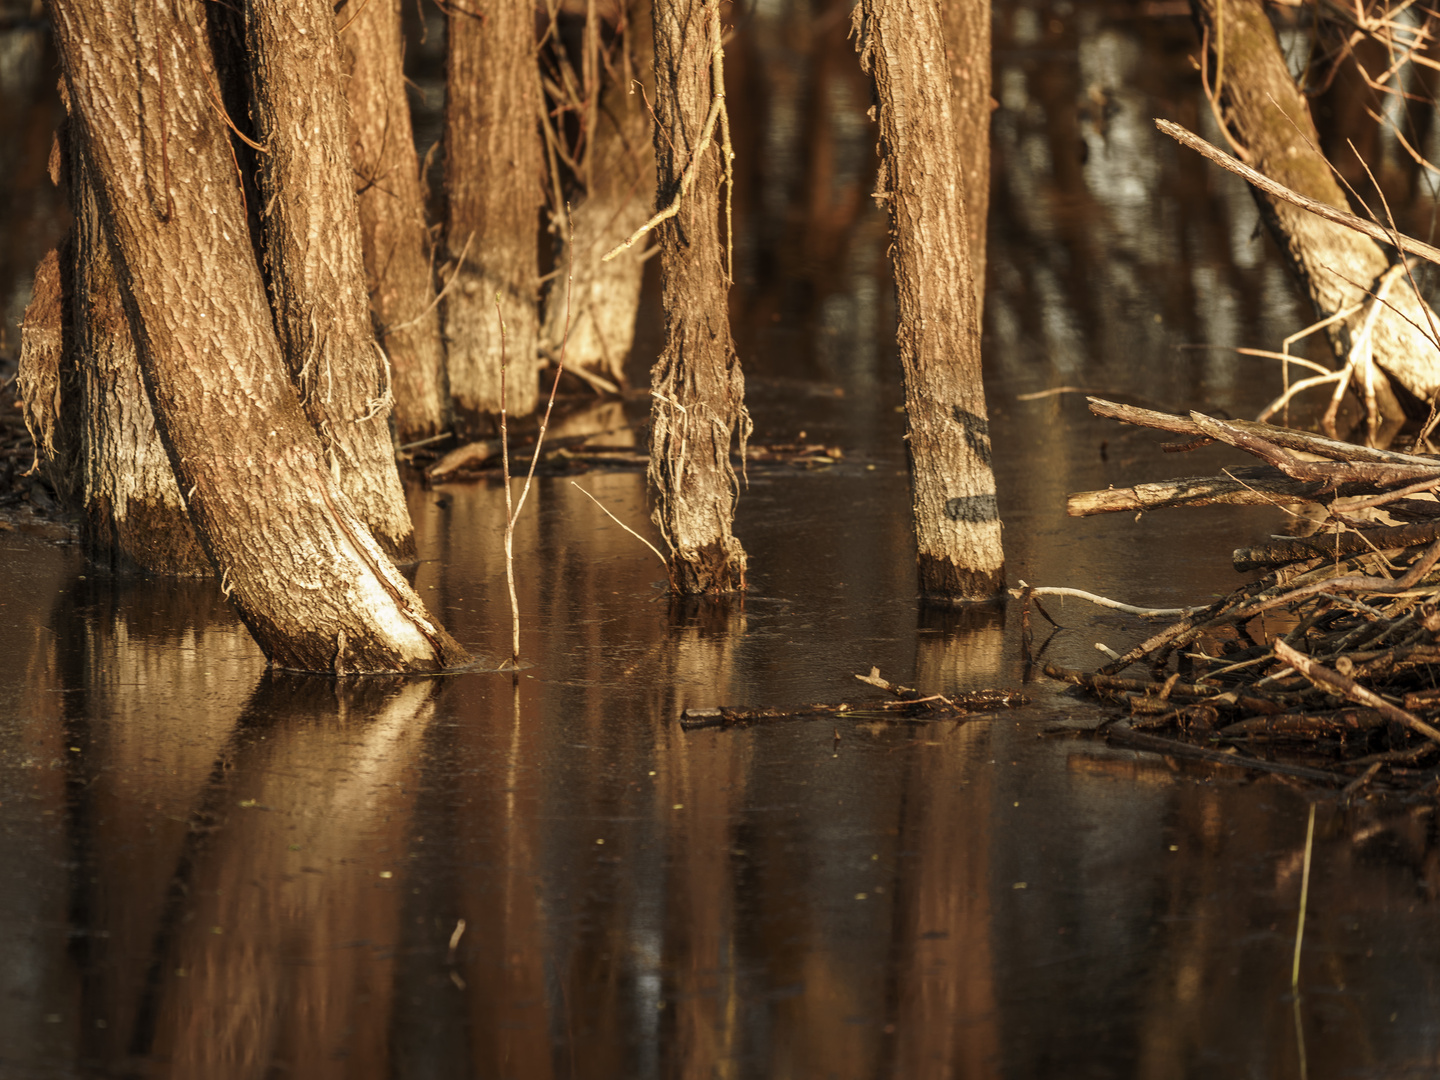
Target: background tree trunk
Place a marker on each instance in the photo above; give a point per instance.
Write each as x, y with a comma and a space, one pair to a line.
1270, 120
392, 217
698, 403
493, 166
47, 383
957, 518
313, 250
307, 578
967, 48
619, 165
133, 515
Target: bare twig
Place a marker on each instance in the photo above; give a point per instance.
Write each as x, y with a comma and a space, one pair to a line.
1280, 191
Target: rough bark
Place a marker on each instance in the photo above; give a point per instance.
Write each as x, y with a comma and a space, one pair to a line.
921, 180
967, 48
313, 250
1270, 121
493, 167
45, 382
133, 516
392, 217
619, 163
312, 585
697, 387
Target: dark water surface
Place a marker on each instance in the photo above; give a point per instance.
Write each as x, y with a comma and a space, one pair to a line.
208, 871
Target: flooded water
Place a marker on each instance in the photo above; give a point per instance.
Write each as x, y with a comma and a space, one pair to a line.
209, 871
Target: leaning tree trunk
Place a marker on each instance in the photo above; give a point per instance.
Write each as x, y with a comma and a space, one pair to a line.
619, 165
967, 48
313, 249
1270, 121
957, 519
392, 216
308, 579
492, 185
697, 387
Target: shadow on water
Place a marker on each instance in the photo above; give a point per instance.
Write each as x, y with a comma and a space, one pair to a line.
213, 871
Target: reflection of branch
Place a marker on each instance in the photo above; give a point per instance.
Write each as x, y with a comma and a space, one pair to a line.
1280, 191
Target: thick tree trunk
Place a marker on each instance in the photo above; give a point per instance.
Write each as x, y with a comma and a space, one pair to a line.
133, 515
392, 217
313, 250
697, 387
957, 519
619, 166
1270, 120
493, 166
308, 579
967, 48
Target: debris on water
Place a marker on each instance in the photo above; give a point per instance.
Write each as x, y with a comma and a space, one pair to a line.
905, 704
1324, 669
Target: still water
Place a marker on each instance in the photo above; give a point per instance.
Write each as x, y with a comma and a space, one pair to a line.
208, 871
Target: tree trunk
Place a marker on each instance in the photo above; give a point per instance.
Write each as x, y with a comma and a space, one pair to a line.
47, 383
313, 250
392, 217
86, 403
133, 515
697, 387
1270, 120
921, 178
309, 581
618, 166
493, 167
967, 48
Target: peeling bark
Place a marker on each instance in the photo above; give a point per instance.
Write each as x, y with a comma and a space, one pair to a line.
392, 217
921, 180
313, 251
493, 167
310, 582
1270, 120
697, 387
619, 164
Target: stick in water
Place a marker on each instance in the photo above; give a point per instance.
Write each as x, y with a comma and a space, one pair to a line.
1304, 897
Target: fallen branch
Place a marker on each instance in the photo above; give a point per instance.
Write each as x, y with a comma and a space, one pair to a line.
1279, 191
1303, 441
1323, 677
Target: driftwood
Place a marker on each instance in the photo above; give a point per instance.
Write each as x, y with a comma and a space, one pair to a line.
905, 703
1362, 625
1250, 486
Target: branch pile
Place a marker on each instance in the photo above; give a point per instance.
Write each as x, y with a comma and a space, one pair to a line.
1333, 655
